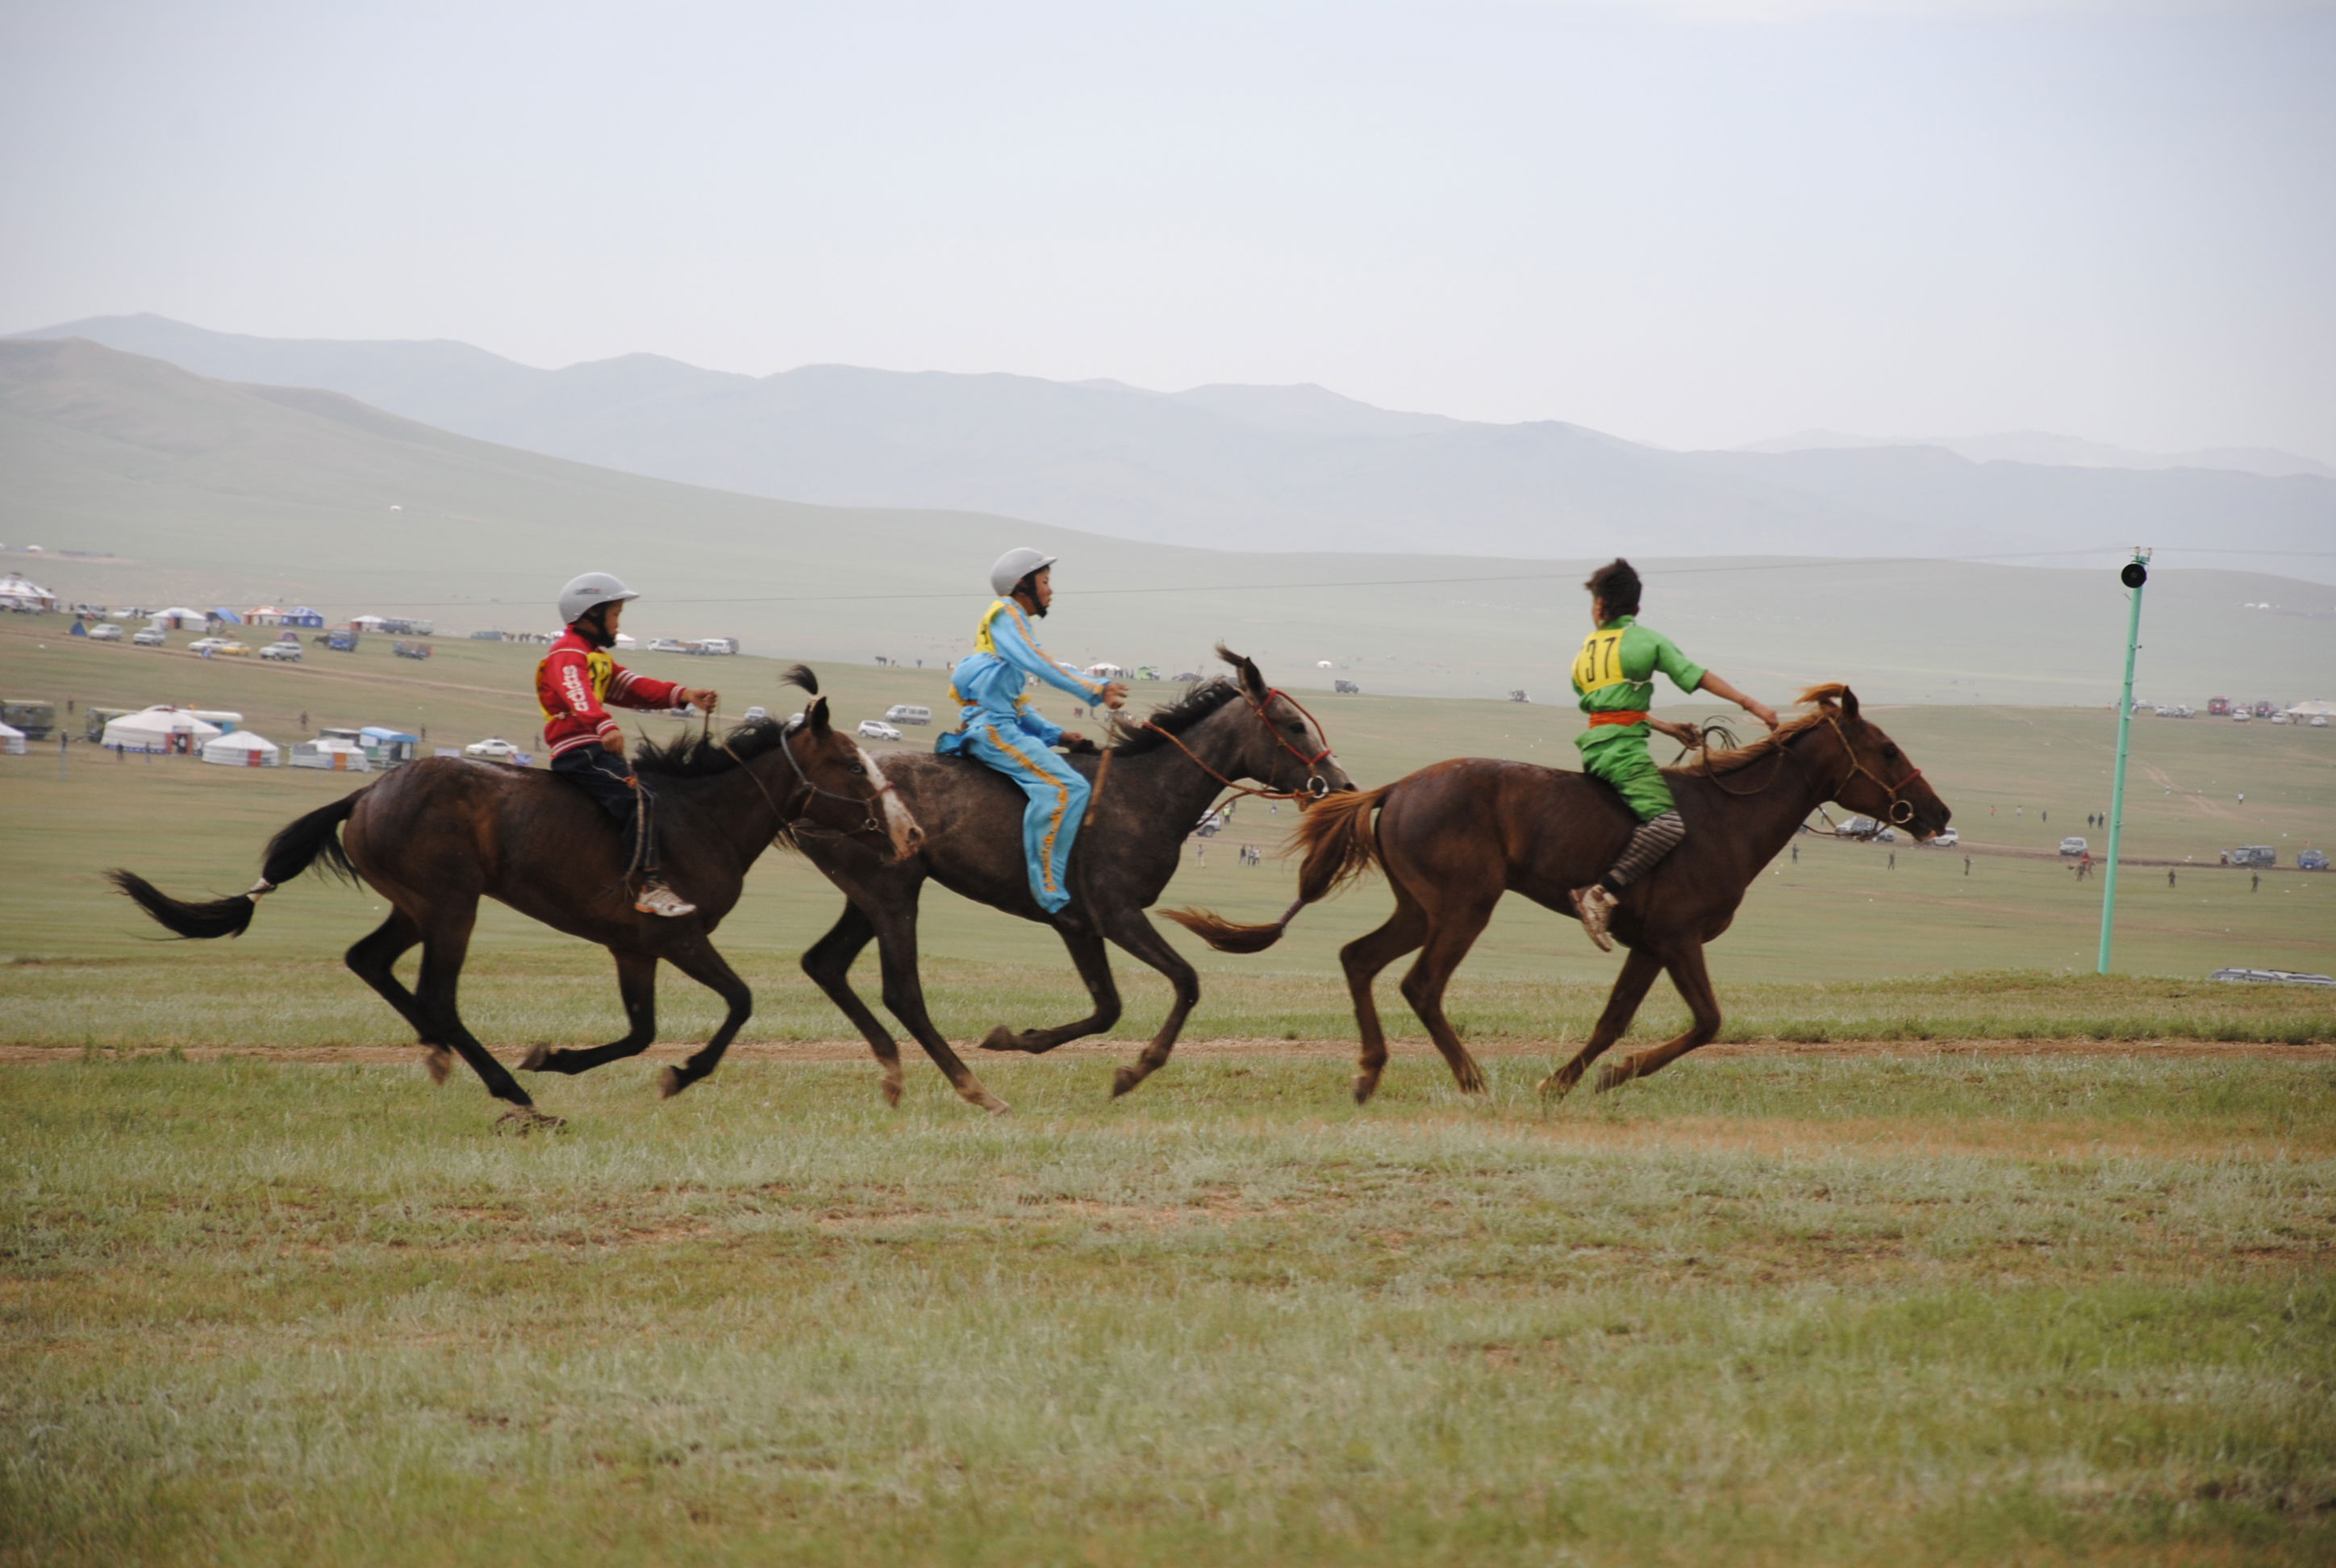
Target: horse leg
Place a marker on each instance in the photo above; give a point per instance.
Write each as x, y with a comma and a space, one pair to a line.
444, 944
637, 983
1449, 938
1638, 972
1694, 983
1363, 959
828, 962
904, 994
694, 956
374, 959
1094, 960
1132, 931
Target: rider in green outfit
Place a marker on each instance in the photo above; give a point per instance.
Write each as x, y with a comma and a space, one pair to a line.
1614, 675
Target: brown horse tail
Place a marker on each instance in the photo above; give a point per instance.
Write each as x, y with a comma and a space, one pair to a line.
302, 843
1340, 837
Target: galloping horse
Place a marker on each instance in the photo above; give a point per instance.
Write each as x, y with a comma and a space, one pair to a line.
437, 835
1452, 838
1162, 774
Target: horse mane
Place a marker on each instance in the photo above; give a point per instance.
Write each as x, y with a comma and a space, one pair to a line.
1203, 700
703, 755
707, 757
1823, 702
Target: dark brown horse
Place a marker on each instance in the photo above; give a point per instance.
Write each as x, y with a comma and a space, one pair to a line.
1162, 776
1454, 837
436, 836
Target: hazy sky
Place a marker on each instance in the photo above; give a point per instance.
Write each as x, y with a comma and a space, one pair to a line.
1690, 224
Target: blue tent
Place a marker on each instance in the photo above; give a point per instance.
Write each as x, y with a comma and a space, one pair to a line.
303, 616
229, 616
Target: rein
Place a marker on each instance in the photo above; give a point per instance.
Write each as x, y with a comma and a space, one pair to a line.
813, 829
1901, 810
1316, 785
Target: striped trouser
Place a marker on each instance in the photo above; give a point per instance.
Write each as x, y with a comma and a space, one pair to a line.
1058, 800
1650, 841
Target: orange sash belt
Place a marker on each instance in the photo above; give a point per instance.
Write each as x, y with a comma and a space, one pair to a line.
1620, 716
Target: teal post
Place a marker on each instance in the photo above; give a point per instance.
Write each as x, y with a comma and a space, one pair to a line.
2135, 574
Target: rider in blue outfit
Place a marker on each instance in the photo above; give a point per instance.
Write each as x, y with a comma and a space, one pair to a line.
997, 727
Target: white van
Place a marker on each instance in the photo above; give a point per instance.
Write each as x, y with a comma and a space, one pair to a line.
909, 713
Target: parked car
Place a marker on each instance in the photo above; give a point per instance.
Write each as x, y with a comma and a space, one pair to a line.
877, 729
494, 748
2073, 845
105, 631
2272, 977
1860, 828
203, 644
2312, 859
231, 648
149, 636
2262, 855
1947, 838
281, 653
909, 713
665, 645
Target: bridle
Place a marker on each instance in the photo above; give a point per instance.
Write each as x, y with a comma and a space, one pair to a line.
873, 823
1316, 785
1901, 810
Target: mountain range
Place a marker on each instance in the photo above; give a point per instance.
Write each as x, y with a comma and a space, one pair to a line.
146, 484
1251, 468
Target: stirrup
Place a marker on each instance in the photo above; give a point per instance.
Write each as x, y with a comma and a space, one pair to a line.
1595, 905
656, 898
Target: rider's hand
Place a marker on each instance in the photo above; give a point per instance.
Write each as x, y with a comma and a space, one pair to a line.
1077, 744
703, 698
1763, 712
1685, 734
1114, 695
615, 743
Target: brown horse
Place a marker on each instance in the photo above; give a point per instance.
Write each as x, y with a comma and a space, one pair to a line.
1164, 774
1452, 838
437, 835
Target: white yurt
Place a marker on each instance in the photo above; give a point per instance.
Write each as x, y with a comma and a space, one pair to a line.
333, 756
167, 729
241, 748
12, 740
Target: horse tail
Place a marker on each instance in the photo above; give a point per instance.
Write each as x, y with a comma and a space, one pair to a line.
1339, 834
302, 843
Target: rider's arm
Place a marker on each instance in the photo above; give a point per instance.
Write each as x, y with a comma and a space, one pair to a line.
1728, 693
626, 689
1015, 647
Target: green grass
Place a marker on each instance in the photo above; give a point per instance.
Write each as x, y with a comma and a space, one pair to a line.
1938, 1310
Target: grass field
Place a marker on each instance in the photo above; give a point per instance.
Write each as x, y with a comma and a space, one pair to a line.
1959, 1253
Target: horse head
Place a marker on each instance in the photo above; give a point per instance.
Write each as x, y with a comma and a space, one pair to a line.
1281, 745
838, 786
1871, 775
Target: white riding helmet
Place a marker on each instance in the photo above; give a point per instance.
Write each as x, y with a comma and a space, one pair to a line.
1014, 566
593, 588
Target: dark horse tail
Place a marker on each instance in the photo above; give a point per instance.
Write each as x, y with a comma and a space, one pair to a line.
1340, 836
302, 843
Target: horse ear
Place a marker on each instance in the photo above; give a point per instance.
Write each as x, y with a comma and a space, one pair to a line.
1252, 681
815, 717
1848, 703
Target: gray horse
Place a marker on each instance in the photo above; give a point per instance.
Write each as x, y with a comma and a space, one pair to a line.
1163, 772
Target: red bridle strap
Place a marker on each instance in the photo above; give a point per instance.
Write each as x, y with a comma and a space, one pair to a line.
1258, 708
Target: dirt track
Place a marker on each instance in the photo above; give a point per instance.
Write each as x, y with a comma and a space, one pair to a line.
1221, 1050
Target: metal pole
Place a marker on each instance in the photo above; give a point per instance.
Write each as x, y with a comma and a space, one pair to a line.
2135, 574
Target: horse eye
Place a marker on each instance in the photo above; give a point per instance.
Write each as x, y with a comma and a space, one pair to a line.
857, 771
1891, 752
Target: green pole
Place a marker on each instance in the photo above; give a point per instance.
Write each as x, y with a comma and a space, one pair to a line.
2135, 574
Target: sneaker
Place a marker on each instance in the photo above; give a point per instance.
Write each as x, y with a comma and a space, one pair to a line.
1595, 905
656, 898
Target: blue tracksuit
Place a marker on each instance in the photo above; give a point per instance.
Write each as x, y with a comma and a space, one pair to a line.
1000, 728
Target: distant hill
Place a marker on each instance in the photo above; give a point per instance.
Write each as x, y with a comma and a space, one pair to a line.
2042, 447
204, 491
1294, 468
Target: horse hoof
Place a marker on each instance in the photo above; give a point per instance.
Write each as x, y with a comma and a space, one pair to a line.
891, 1089
1002, 1039
521, 1120
1365, 1086
537, 1056
1615, 1076
437, 1061
1557, 1086
670, 1083
1123, 1080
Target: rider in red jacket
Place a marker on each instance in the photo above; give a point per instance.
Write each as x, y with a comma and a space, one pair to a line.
575, 683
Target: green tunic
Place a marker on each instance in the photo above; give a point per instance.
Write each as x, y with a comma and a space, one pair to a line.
1615, 673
